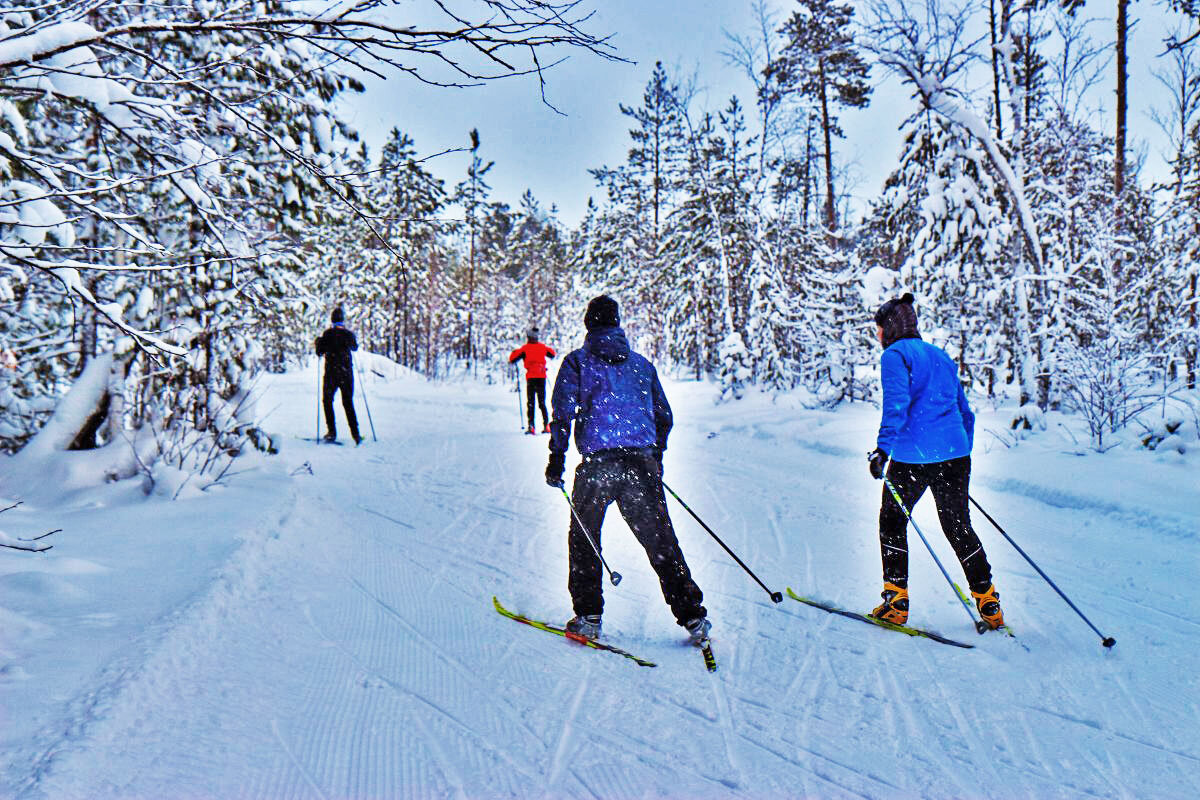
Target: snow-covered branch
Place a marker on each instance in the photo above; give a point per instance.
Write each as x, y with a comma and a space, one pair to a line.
170, 99
36, 544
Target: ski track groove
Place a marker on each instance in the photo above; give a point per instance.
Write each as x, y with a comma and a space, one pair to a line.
308, 777
565, 737
814, 771
965, 734
1100, 729
421, 703
434, 651
385, 574
729, 733
451, 773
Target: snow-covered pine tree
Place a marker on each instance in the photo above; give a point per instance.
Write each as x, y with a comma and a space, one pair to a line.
710, 238
1178, 301
958, 265
1173, 304
930, 51
410, 201
821, 63
641, 194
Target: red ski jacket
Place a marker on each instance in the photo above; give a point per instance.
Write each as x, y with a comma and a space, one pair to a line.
535, 355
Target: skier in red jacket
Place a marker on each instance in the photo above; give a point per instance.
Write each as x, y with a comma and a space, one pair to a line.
535, 354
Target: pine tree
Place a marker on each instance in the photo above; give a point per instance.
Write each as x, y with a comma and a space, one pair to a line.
821, 62
409, 198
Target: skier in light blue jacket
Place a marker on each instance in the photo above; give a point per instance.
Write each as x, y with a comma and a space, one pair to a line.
924, 442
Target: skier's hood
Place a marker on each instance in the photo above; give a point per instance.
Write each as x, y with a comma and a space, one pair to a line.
607, 344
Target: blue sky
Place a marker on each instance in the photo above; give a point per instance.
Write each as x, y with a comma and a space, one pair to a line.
549, 153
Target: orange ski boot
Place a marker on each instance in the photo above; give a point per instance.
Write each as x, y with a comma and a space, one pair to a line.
988, 603
894, 607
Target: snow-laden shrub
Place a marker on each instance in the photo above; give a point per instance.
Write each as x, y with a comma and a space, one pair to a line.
1176, 427
736, 371
191, 458
1026, 419
1109, 386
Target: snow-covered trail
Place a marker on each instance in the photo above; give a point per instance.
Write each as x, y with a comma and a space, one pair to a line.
348, 648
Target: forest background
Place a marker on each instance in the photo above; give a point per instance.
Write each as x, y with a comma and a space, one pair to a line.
184, 197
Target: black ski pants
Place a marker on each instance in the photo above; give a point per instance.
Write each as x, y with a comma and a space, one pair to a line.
948, 480
536, 386
338, 380
633, 479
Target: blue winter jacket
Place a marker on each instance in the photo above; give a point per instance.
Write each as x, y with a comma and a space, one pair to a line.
926, 418
613, 395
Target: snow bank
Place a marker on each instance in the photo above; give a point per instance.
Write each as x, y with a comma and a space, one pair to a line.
45, 471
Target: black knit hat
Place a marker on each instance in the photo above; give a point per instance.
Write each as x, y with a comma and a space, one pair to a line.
338, 315
533, 333
898, 319
602, 312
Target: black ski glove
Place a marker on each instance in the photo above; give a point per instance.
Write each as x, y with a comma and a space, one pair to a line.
554, 470
877, 462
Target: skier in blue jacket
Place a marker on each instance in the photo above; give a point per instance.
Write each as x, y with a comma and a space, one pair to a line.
622, 420
926, 434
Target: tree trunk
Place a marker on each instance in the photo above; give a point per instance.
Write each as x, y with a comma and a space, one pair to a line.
995, 69
1028, 363
657, 178
830, 209
807, 171
1122, 99
1191, 350
471, 300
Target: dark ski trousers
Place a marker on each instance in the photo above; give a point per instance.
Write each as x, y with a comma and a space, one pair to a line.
948, 481
343, 382
536, 386
632, 478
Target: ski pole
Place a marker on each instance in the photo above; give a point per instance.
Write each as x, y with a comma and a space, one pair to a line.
363, 388
615, 577
318, 436
776, 597
520, 404
980, 625
1107, 641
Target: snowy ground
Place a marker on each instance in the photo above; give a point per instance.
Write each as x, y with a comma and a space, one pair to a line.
330, 635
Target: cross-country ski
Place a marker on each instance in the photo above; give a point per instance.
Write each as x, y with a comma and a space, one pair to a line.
569, 635
891, 626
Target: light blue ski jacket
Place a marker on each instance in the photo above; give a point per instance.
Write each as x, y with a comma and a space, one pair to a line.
926, 417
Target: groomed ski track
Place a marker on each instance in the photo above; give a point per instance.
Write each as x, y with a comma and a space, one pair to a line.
344, 645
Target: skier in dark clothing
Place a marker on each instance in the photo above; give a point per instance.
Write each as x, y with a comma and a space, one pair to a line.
926, 433
622, 420
535, 354
336, 344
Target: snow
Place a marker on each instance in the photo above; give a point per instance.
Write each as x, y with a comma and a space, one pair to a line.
879, 285
38, 216
942, 101
322, 626
20, 46
323, 130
